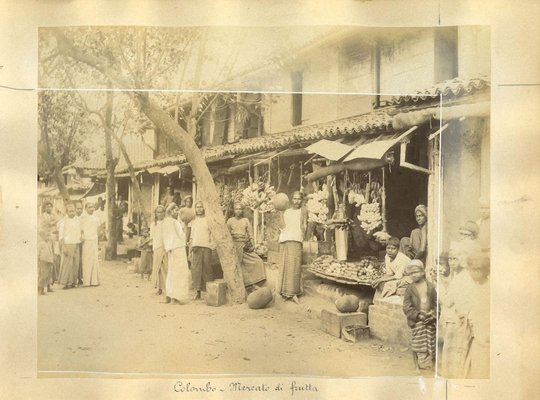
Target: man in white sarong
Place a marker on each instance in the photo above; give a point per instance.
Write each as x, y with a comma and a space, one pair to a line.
174, 243
69, 236
90, 250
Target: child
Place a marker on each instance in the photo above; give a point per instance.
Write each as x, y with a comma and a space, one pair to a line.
145, 247
419, 305
45, 260
395, 262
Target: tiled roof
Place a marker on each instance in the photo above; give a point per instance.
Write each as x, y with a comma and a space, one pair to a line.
450, 88
367, 123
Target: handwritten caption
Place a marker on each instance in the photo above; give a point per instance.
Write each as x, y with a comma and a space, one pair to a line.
293, 387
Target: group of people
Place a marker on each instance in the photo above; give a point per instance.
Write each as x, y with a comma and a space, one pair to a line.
176, 248
461, 306
68, 252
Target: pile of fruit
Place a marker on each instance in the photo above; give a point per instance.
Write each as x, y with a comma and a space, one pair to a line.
364, 271
370, 217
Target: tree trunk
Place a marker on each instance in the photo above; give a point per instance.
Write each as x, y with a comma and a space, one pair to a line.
45, 152
205, 186
111, 248
57, 174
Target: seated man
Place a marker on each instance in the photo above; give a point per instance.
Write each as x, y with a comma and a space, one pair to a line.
394, 263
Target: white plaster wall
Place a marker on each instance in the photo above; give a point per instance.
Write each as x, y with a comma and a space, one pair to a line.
411, 66
474, 50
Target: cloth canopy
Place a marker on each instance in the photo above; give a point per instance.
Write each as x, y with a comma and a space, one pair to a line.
331, 150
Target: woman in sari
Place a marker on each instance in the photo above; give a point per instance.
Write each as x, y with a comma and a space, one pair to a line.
174, 243
251, 264
159, 261
415, 246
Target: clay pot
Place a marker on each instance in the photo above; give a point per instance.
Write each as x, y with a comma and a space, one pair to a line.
348, 303
260, 298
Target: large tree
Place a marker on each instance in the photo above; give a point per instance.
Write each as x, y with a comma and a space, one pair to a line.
61, 139
135, 61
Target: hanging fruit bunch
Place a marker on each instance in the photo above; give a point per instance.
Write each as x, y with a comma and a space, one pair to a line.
370, 217
228, 195
356, 196
317, 206
258, 196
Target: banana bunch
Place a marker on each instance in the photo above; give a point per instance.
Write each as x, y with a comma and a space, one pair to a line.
316, 206
370, 217
258, 196
356, 197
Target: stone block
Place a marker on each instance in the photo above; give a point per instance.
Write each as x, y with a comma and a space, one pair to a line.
216, 293
388, 323
332, 322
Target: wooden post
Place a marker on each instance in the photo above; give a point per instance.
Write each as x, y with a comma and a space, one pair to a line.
368, 189
383, 200
434, 198
256, 210
256, 225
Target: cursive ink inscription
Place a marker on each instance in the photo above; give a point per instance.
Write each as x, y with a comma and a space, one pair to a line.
298, 387
182, 387
294, 387
239, 387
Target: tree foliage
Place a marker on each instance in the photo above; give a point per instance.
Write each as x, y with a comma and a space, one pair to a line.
63, 130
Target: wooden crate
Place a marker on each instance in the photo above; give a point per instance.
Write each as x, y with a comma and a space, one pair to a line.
355, 333
332, 322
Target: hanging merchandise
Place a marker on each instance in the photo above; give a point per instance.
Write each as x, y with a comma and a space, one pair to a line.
370, 217
317, 206
356, 195
258, 196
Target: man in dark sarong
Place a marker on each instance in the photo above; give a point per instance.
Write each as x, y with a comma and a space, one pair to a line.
201, 251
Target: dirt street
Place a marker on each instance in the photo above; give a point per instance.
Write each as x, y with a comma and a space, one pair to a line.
123, 327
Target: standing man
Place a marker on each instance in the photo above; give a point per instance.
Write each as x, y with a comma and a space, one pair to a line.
90, 250
201, 251
168, 197
48, 223
79, 211
159, 261
174, 243
293, 228
69, 236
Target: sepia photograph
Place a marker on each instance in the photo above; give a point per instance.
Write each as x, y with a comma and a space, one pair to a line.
305, 201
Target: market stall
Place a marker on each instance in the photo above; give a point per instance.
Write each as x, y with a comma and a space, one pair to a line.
361, 197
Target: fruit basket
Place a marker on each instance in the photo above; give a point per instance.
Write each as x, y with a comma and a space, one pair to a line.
362, 272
